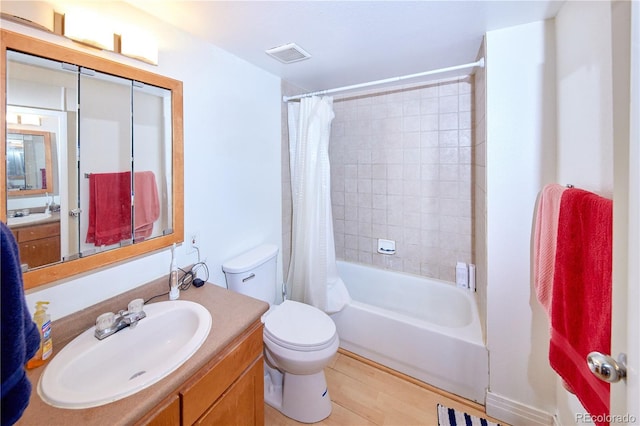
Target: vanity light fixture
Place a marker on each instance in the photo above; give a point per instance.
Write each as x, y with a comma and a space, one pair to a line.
13, 118
87, 28
36, 14
28, 119
140, 45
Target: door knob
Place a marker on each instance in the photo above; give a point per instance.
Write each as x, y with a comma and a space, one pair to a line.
606, 368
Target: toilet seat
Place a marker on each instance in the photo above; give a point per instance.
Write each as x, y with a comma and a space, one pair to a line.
299, 327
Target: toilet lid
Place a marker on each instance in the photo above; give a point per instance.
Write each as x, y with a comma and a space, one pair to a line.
299, 325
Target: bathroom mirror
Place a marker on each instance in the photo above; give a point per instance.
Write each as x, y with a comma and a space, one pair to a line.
29, 169
129, 130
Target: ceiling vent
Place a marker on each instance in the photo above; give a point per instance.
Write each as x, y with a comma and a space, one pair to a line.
288, 53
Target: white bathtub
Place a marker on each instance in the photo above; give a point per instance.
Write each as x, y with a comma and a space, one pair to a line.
425, 328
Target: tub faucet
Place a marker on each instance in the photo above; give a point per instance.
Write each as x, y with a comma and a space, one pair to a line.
109, 323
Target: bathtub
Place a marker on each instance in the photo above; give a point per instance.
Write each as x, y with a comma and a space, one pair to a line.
425, 328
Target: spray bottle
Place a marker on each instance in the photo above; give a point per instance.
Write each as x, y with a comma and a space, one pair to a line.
43, 321
174, 292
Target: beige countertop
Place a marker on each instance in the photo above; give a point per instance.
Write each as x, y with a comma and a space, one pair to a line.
231, 314
55, 217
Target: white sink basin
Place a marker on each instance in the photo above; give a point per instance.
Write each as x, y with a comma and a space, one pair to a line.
33, 217
89, 372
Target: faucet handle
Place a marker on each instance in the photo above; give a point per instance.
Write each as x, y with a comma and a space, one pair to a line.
135, 306
105, 321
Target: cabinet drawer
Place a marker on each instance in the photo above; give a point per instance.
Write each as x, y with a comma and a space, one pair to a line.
204, 389
39, 231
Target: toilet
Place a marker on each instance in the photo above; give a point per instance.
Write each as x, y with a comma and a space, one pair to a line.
299, 339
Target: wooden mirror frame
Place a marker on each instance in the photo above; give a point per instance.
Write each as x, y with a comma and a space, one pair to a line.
47, 274
48, 169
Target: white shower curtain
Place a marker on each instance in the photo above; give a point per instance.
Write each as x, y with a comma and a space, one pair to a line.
313, 274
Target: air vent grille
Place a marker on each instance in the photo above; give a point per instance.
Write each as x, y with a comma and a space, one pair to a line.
288, 53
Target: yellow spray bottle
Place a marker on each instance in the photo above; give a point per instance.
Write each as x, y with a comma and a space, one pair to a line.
43, 321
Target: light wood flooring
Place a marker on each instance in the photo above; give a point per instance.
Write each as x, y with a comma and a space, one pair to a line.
365, 393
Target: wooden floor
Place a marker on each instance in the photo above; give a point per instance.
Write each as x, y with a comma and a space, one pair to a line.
364, 393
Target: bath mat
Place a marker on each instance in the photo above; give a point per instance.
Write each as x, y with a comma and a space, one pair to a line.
452, 417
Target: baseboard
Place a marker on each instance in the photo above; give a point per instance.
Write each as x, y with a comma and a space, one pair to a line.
556, 421
515, 413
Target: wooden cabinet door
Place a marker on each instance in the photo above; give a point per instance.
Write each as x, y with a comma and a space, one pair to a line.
39, 244
40, 252
242, 403
205, 388
167, 413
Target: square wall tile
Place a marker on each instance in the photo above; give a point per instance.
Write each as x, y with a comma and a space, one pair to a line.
402, 167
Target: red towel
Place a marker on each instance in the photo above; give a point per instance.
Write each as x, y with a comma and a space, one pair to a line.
544, 242
581, 303
109, 208
146, 206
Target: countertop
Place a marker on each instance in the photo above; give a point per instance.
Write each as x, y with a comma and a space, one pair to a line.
55, 217
231, 314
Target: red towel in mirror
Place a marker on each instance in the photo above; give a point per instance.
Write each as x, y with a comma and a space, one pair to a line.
146, 206
581, 302
109, 208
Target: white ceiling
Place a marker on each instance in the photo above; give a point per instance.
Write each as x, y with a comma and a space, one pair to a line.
350, 41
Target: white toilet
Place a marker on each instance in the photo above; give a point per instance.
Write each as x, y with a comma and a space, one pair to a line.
299, 339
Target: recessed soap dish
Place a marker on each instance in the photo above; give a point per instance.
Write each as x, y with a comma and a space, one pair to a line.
386, 246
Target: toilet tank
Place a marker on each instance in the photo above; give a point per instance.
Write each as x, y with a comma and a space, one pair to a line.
254, 273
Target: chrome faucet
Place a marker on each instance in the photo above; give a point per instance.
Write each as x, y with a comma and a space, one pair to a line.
50, 205
110, 323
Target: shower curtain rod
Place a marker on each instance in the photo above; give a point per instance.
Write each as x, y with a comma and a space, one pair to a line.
478, 63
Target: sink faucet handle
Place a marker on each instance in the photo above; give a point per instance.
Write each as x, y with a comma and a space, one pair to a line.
105, 321
135, 306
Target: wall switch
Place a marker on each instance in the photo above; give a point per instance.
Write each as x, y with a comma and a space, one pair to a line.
193, 242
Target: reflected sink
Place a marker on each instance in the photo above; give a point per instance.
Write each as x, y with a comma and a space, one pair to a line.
89, 372
33, 217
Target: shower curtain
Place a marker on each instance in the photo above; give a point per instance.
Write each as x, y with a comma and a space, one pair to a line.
313, 274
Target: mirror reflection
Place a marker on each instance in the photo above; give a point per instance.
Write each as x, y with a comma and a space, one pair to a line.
42, 100
88, 179
153, 156
33, 217
28, 162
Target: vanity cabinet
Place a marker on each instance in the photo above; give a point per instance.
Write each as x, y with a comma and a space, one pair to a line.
39, 244
228, 390
167, 413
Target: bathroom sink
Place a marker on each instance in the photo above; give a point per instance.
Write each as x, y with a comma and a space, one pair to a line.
33, 217
89, 372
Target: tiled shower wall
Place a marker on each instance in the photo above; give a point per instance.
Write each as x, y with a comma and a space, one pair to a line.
401, 169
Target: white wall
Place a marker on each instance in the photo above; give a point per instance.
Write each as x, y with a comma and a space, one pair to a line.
585, 99
232, 159
520, 148
542, 126
585, 118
